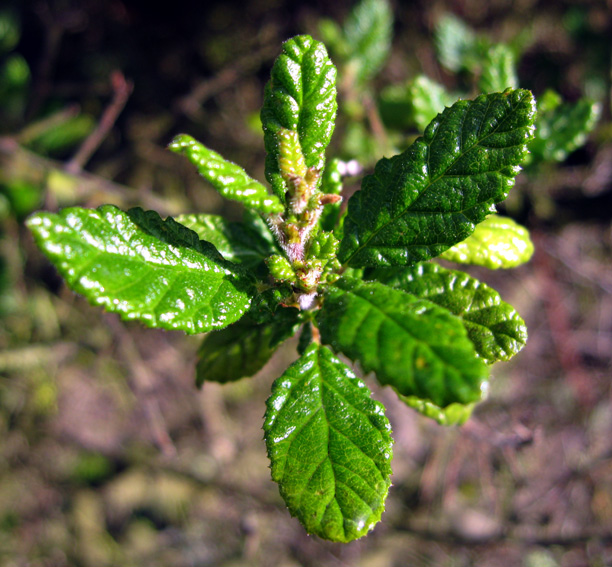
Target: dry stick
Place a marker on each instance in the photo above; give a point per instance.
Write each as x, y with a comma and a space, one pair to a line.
121, 92
20, 164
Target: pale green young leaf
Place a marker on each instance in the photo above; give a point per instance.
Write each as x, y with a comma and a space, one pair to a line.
562, 127
411, 344
329, 446
281, 269
242, 349
237, 242
427, 199
455, 414
142, 267
498, 70
300, 97
493, 326
367, 33
497, 242
226, 177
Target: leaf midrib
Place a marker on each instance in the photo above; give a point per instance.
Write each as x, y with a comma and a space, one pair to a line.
428, 186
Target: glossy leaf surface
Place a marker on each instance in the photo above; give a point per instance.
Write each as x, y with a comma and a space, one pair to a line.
242, 349
237, 242
423, 201
142, 267
226, 177
493, 326
300, 97
411, 344
497, 242
329, 445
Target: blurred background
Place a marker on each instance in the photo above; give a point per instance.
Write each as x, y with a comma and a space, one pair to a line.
110, 456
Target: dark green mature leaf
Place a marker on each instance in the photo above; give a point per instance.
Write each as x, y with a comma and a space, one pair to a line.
425, 200
237, 242
494, 327
562, 127
330, 446
367, 33
411, 344
301, 97
142, 267
497, 242
242, 349
226, 177
266, 303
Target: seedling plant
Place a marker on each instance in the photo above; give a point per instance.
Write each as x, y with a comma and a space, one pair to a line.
356, 282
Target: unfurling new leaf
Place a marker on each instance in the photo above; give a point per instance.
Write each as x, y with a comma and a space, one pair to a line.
300, 97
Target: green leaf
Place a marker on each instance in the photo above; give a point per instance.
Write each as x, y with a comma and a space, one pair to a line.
455, 414
62, 137
226, 177
497, 242
242, 349
10, 29
498, 70
416, 103
493, 326
306, 338
237, 242
456, 43
281, 269
142, 267
254, 221
411, 344
367, 33
562, 127
329, 445
300, 96
423, 201
333, 36
331, 183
